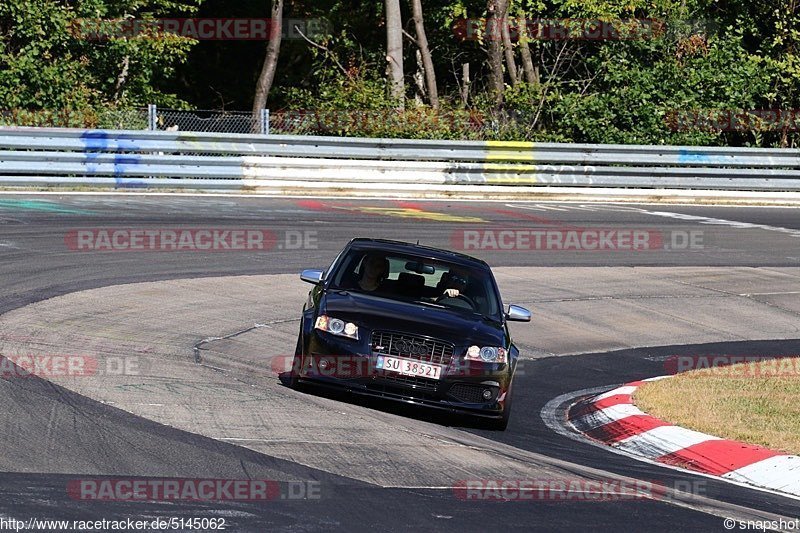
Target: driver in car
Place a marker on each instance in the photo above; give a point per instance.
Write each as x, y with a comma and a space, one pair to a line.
457, 280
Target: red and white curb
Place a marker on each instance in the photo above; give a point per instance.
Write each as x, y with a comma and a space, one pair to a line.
613, 419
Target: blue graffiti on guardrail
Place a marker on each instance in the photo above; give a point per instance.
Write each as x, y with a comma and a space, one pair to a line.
693, 156
97, 143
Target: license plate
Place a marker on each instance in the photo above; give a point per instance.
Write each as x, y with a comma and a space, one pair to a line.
409, 367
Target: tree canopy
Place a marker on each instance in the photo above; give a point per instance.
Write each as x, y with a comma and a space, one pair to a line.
668, 72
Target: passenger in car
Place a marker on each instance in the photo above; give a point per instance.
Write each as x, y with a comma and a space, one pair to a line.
374, 270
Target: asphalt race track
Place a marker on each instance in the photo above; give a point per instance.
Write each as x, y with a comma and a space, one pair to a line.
209, 328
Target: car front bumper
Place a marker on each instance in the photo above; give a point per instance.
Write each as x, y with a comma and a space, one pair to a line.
340, 363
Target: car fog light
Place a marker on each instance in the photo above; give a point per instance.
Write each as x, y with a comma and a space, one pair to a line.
487, 394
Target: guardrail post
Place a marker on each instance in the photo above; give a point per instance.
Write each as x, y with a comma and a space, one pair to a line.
152, 120
265, 121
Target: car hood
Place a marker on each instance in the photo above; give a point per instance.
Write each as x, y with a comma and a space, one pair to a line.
374, 313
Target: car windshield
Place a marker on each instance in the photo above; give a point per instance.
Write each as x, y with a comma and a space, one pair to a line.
413, 278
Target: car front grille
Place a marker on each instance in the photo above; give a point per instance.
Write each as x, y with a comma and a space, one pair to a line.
416, 347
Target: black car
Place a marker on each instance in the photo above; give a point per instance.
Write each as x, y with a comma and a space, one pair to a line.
410, 323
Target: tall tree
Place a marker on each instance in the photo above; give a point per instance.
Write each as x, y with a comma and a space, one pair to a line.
427, 60
530, 70
508, 48
264, 83
394, 52
495, 11
785, 58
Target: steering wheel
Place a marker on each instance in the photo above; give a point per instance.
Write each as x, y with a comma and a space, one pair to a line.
467, 299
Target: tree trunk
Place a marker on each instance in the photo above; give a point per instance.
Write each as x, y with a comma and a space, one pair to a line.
531, 72
427, 60
494, 14
267, 75
419, 80
508, 48
465, 83
122, 78
394, 52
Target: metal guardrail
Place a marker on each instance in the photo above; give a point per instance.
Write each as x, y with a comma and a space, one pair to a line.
59, 157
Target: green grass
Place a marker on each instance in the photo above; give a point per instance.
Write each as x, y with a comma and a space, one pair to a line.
749, 402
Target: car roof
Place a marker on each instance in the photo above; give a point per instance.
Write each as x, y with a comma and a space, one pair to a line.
429, 252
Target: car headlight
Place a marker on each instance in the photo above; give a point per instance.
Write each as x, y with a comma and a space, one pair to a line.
337, 327
486, 354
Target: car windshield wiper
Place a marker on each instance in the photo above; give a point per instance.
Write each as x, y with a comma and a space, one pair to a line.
375, 294
486, 317
431, 304
489, 318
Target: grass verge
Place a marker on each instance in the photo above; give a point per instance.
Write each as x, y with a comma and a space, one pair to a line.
756, 402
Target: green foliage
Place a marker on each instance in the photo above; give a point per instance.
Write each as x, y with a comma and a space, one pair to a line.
634, 105
704, 58
47, 63
352, 105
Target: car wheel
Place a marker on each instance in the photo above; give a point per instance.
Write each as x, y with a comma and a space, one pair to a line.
500, 424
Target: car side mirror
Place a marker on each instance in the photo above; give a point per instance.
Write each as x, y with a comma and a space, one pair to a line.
518, 314
313, 276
